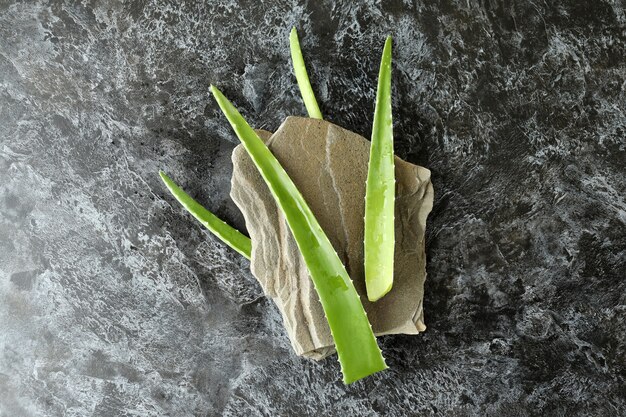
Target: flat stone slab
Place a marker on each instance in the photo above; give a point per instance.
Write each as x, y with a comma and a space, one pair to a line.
328, 164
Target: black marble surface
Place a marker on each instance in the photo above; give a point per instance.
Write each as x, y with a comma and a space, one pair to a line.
114, 302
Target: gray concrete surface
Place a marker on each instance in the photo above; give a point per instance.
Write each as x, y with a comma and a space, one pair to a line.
113, 302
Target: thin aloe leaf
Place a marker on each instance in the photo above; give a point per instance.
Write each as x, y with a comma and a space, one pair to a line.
303, 78
380, 190
356, 346
227, 234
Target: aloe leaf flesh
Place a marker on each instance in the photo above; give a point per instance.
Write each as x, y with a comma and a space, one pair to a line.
227, 234
358, 352
302, 77
380, 190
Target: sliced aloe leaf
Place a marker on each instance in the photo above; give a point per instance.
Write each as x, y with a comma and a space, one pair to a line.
357, 350
380, 190
232, 237
303, 78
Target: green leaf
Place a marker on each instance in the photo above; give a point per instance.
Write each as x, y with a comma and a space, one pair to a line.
358, 352
232, 237
303, 78
380, 190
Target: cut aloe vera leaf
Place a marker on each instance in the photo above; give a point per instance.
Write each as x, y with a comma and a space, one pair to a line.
302, 77
227, 234
356, 345
380, 190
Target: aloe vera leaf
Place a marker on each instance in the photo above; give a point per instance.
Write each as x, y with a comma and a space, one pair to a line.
356, 346
380, 190
302, 77
227, 234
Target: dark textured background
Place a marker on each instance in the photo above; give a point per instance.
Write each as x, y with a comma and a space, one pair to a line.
114, 302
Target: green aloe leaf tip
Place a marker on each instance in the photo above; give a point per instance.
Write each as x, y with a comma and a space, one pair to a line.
306, 91
232, 237
380, 190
